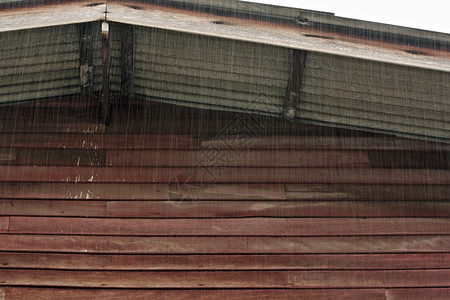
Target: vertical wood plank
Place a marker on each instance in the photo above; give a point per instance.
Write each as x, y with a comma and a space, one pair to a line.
294, 84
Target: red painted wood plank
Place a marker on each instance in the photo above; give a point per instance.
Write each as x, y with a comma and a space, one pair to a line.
16, 293
418, 294
229, 279
4, 224
58, 261
193, 208
223, 175
195, 192
368, 192
224, 245
228, 227
218, 209
52, 208
211, 158
173, 192
97, 141
323, 143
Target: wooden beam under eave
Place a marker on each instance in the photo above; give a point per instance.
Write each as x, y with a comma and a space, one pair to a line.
127, 60
86, 58
294, 84
105, 101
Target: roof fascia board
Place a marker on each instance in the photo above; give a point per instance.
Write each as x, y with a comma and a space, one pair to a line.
226, 27
303, 17
284, 15
272, 34
46, 16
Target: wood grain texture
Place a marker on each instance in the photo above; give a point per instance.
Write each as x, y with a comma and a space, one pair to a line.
52, 208
224, 245
418, 294
176, 190
230, 158
372, 192
230, 227
192, 208
113, 262
4, 224
7, 155
185, 191
229, 279
222, 175
16, 293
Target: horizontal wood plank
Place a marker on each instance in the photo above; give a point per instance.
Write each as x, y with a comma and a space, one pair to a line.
222, 175
175, 190
418, 294
16, 293
191, 208
224, 262
324, 143
229, 279
7, 155
230, 158
4, 224
224, 245
372, 192
192, 192
52, 208
229, 227
57, 157
97, 141
49, 127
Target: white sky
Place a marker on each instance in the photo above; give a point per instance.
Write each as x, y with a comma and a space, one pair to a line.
431, 15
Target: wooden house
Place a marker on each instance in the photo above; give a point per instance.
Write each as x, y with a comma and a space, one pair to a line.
194, 149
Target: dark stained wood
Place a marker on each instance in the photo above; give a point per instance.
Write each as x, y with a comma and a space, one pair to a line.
224, 245
51, 127
86, 58
229, 227
229, 158
105, 96
223, 175
408, 159
224, 262
52, 208
16, 293
325, 143
58, 157
379, 192
418, 294
97, 141
294, 84
175, 190
7, 156
192, 208
228, 279
127, 58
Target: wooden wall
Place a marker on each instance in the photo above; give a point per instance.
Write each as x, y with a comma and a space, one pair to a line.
170, 203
